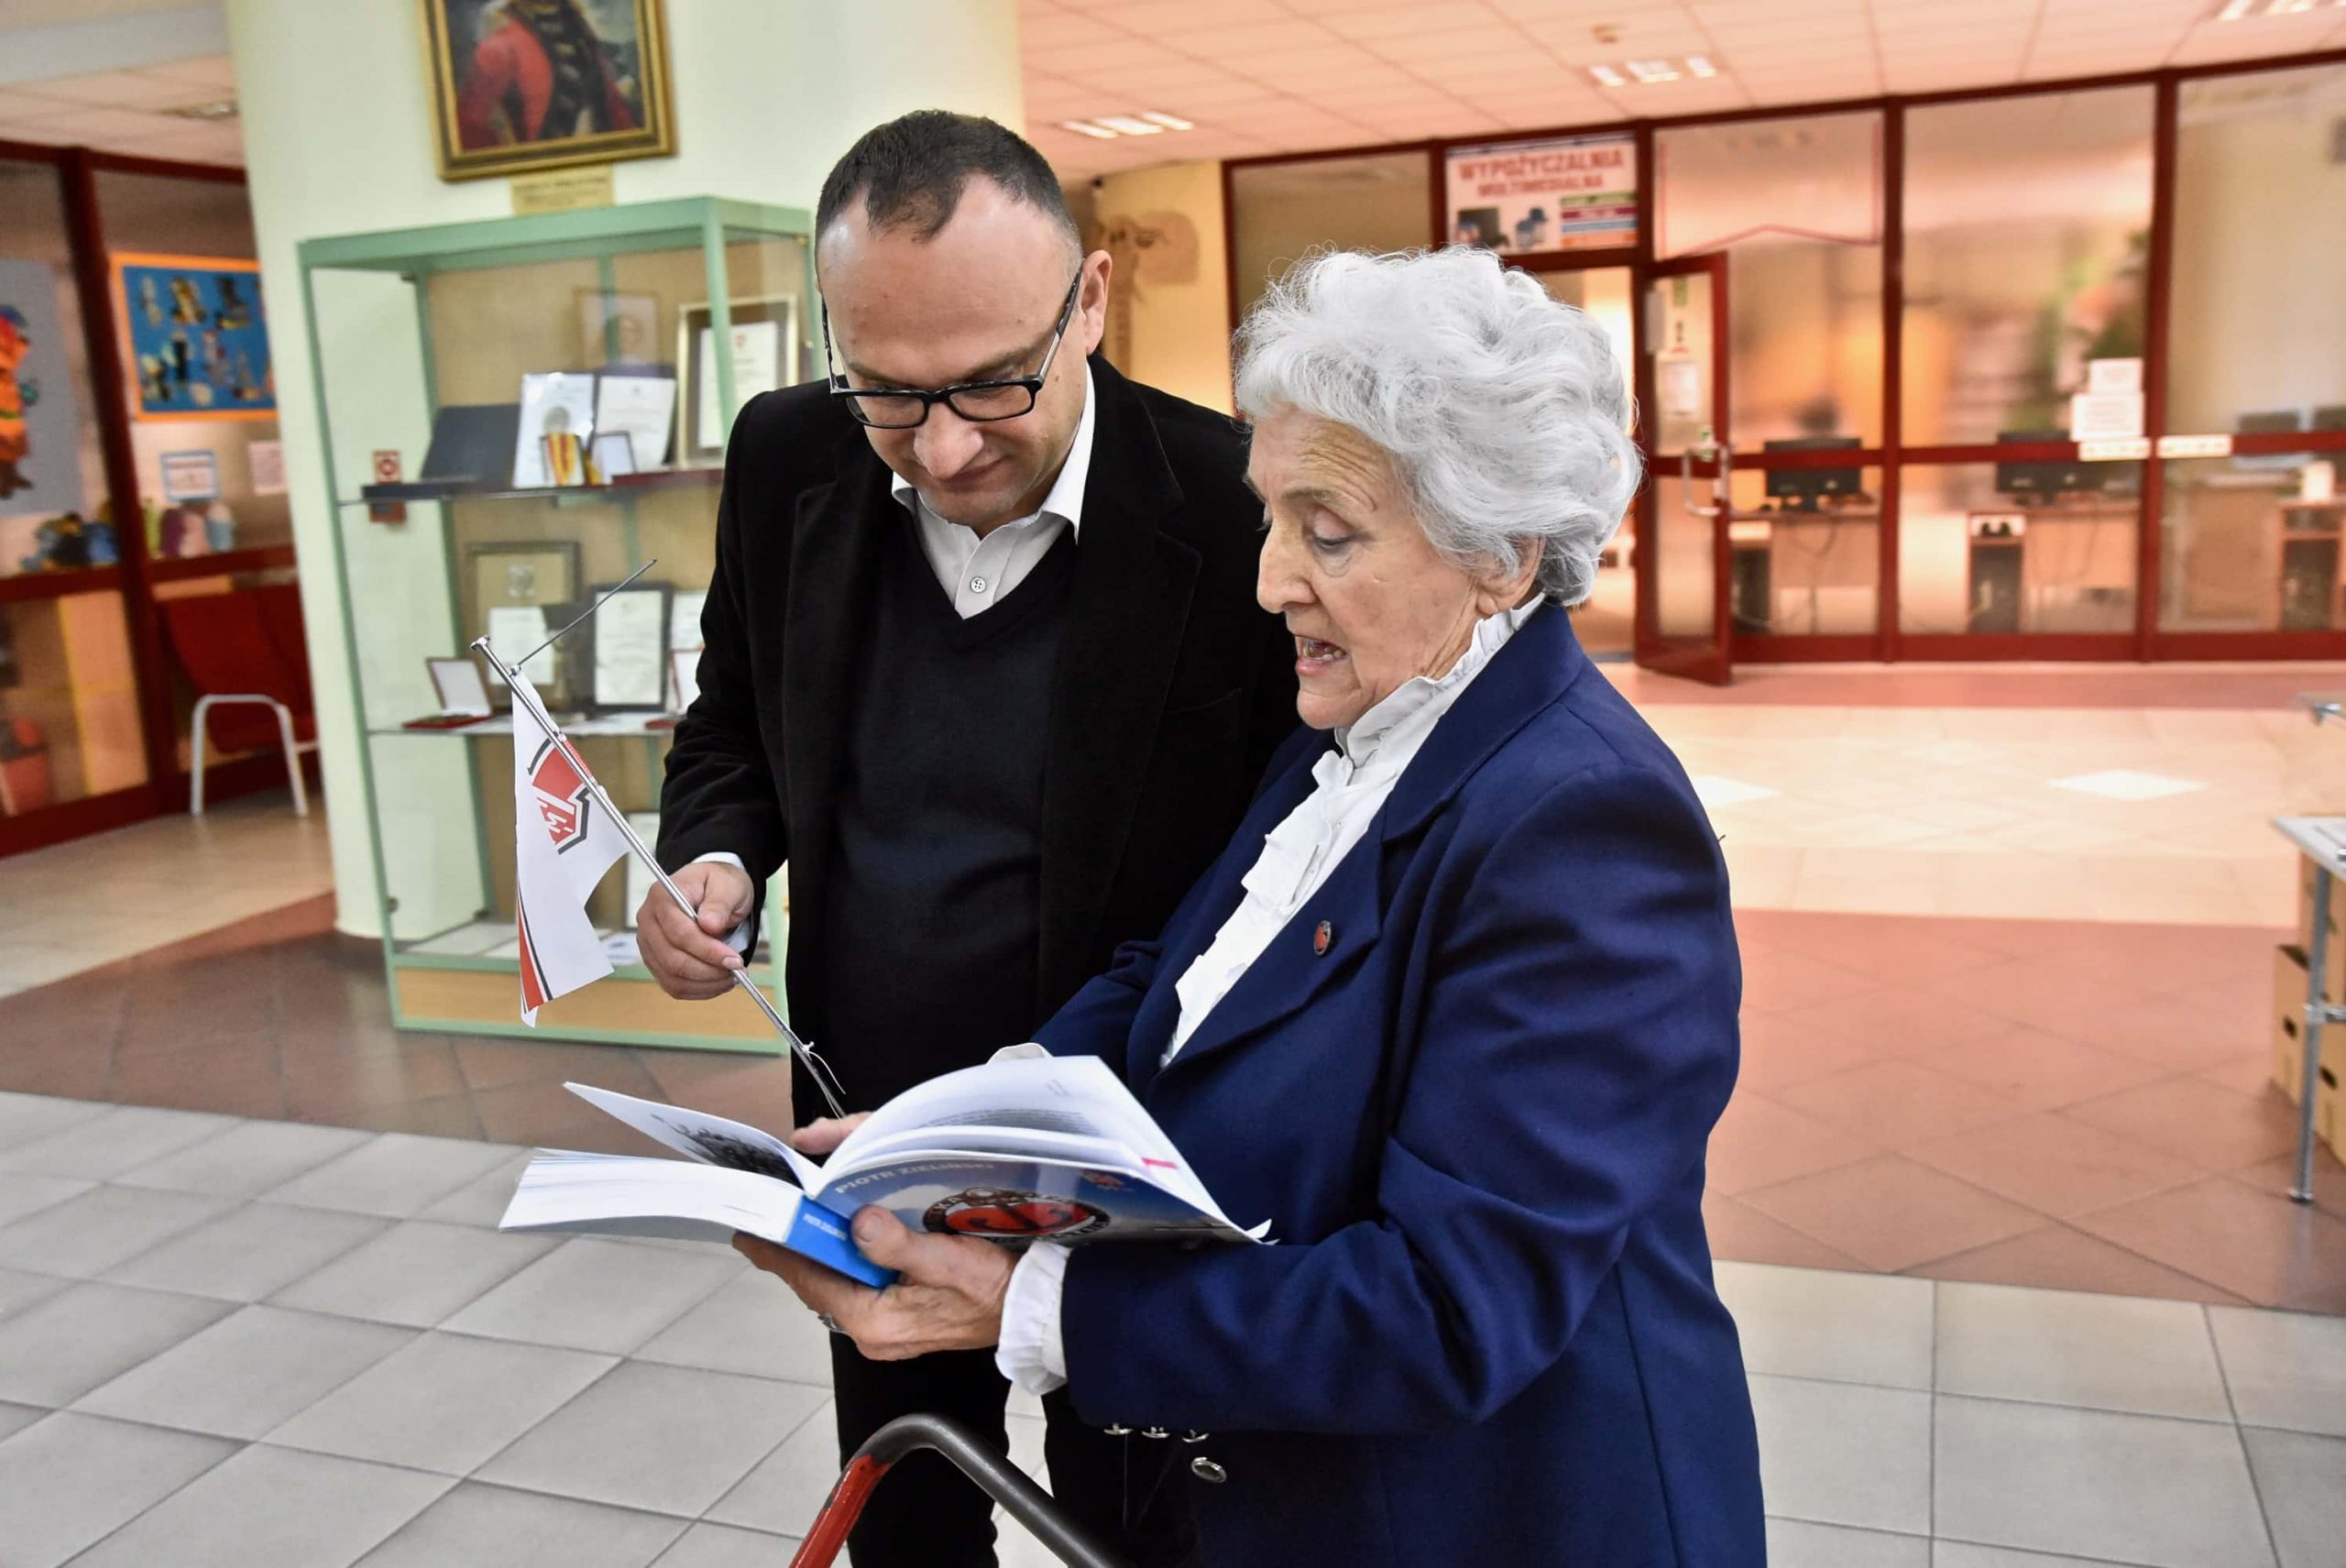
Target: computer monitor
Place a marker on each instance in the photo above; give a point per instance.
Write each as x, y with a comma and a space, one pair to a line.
2276, 421
2045, 480
1801, 488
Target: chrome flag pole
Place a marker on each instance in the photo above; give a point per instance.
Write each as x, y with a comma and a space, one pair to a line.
526, 695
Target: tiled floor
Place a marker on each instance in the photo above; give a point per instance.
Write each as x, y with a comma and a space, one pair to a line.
1974, 811
230, 1341
2007, 940
2075, 1105
101, 899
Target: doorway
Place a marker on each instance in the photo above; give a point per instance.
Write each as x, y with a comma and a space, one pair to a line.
1607, 623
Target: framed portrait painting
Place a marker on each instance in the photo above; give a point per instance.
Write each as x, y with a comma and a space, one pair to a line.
527, 84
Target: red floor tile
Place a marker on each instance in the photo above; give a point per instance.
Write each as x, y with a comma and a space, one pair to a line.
1899, 1020
1884, 950
499, 1064
1898, 1102
2248, 1073
2056, 1166
2060, 1258
1760, 1142
2040, 992
1891, 1213
2216, 1129
2277, 1178
2035, 1070
1780, 1051
1743, 1234
2254, 1244
2166, 1033
1788, 981
1865, 1037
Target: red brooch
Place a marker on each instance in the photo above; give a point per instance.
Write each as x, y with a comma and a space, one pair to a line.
1321, 938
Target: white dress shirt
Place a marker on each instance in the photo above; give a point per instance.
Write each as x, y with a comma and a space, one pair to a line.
979, 572
1299, 855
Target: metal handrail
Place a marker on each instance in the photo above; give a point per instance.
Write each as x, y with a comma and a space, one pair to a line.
995, 1475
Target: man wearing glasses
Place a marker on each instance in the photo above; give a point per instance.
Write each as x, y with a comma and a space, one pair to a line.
984, 667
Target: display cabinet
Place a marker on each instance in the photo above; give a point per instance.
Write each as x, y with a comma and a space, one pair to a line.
518, 414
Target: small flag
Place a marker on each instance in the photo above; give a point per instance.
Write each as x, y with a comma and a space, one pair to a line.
566, 841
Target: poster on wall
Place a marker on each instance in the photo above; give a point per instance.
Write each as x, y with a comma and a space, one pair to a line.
527, 84
40, 461
197, 339
1531, 198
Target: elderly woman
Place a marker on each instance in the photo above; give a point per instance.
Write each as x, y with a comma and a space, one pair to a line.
1455, 1012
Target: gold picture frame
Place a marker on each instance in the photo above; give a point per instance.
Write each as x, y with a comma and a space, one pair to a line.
489, 58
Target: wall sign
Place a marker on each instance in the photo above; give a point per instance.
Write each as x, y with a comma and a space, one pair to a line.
190, 476
1534, 198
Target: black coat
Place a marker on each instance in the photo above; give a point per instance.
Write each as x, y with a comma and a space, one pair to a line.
1172, 689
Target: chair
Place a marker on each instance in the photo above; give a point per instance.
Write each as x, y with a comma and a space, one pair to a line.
225, 648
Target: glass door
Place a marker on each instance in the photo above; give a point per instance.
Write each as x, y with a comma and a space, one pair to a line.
1606, 621
1684, 581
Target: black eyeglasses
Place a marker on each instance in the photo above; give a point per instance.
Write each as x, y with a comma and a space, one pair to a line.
902, 408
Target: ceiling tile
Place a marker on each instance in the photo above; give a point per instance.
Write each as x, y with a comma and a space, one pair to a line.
1171, 18
1328, 58
196, 144
1504, 80
1081, 61
1461, 122
1179, 76
117, 89
1260, 42
1059, 30
1580, 47
96, 125
1451, 44
1411, 21
214, 71
1539, 118
15, 105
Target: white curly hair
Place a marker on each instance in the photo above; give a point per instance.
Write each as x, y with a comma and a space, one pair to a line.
1503, 410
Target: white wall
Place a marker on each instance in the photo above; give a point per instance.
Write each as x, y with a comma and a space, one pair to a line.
1180, 329
337, 117
2258, 320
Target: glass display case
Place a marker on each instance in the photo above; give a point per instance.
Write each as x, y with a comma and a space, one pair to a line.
518, 414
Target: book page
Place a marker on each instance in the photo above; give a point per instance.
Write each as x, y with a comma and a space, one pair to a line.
1048, 1096
712, 1139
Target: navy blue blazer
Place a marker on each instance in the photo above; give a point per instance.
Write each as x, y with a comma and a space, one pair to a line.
1488, 1333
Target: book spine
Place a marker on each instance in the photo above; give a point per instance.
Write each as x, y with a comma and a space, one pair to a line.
818, 1232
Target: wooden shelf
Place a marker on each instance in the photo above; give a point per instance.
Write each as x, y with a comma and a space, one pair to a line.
178, 568
58, 585
665, 479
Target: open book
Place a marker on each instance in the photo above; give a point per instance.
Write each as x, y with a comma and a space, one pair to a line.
1052, 1148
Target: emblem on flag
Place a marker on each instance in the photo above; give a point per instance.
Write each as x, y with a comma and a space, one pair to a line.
564, 795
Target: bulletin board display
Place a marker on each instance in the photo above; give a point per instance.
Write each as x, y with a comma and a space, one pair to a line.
195, 338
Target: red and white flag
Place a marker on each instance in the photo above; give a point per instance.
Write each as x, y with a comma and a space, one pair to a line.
567, 840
